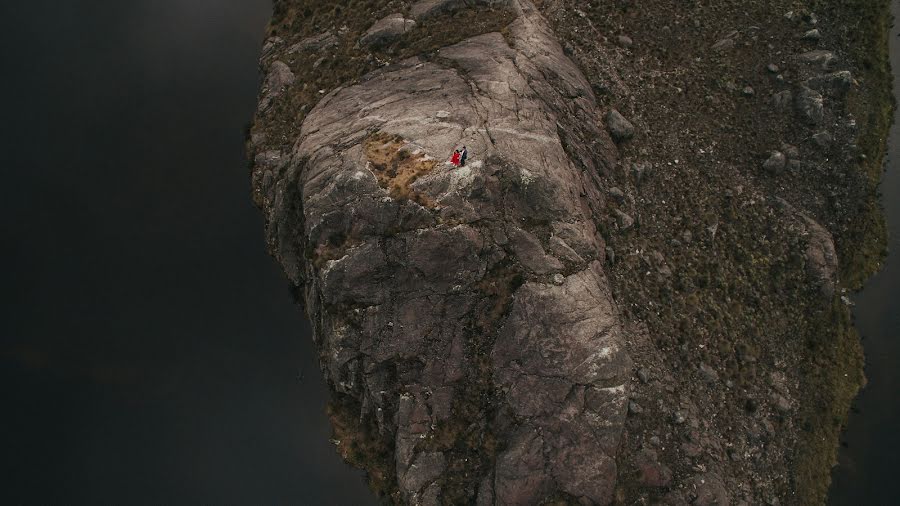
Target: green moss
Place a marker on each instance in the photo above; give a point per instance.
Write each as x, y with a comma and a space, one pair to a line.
865, 30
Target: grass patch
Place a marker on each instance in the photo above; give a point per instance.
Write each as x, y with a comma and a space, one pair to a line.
397, 168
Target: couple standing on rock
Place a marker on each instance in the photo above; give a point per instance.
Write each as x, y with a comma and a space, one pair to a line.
459, 157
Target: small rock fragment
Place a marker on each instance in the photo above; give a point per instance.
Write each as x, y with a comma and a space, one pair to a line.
651, 473
691, 450
783, 99
824, 58
723, 45
781, 403
835, 83
643, 375
791, 152
640, 170
823, 139
812, 35
811, 105
772, 68
616, 193
775, 163
624, 220
709, 373
625, 41
620, 128
709, 490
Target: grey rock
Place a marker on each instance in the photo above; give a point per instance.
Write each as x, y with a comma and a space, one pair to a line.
834, 84
679, 417
821, 256
651, 473
708, 373
723, 45
318, 42
775, 163
531, 254
783, 99
691, 450
279, 78
623, 220
823, 139
634, 408
562, 250
748, 91
386, 29
619, 128
813, 35
811, 105
625, 41
426, 468
425, 9
269, 47
616, 193
643, 375
772, 68
641, 170
826, 60
790, 151
708, 490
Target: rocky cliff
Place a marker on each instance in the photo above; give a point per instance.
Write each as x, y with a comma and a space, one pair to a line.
596, 308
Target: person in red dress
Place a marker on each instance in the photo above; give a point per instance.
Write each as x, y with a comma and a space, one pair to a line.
455, 158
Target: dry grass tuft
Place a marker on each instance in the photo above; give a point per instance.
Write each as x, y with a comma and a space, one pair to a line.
397, 168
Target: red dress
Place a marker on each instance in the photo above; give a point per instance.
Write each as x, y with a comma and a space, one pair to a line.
455, 158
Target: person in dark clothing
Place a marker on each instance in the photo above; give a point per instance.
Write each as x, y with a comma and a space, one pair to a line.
463, 156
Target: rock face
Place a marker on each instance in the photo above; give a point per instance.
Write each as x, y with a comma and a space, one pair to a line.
594, 308
436, 292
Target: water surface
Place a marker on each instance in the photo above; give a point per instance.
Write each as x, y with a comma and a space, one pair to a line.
150, 351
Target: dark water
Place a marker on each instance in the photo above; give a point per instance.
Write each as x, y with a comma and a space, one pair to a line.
150, 352
867, 473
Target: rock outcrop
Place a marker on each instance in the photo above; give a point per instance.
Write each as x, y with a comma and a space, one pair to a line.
429, 283
635, 307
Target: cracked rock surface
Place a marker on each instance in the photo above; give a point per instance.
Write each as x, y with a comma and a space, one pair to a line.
427, 283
